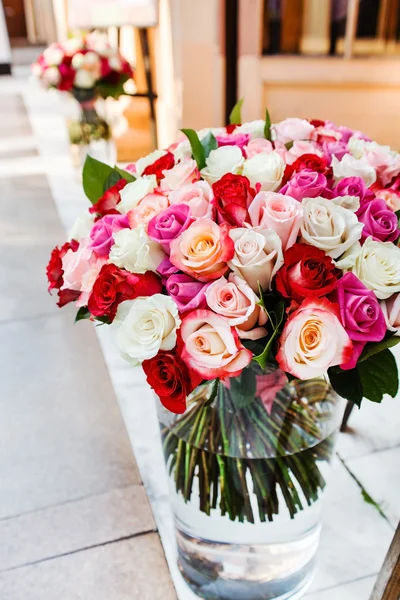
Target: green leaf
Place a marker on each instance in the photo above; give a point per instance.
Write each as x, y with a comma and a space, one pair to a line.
125, 174
214, 392
209, 143
289, 145
275, 319
267, 128
347, 384
197, 148
94, 176
111, 180
375, 347
235, 118
243, 388
397, 213
82, 313
379, 376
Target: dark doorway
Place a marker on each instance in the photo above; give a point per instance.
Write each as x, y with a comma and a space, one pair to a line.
14, 12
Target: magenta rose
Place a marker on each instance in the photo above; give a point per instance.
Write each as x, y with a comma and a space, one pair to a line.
103, 230
338, 149
360, 313
233, 139
380, 222
166, 268
352, 186
168, 224
306, 184
187, 293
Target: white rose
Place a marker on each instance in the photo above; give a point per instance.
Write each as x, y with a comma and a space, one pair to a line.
144, 326
52, 76
227, 159
329, 226
84, 79
254, 128
82, 226
136, 191
350, 202
78, 60
266, 169
115, 63
181, 174
292, 129
378, 267
151, 158
53, 55
348, 259
258, 256
182, 150
353, 167
134, 251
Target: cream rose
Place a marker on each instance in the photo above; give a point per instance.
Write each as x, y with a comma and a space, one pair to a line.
378, 267
391, 310
349, 166
227, 159
135, 251
181, 174
254, 128
329, 226
258, 256
149, 207
144, 326
265, 169
133, 192
292, 129
270, 210
236, 301
313, 340
82, 226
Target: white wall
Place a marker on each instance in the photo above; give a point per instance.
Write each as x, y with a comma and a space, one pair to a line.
5, 52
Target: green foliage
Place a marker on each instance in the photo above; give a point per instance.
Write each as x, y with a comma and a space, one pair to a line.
197, 147
235, 118
98, 177
243, 388
375, 347
275, 320
82, 313
267, 128
209, 143
214, 392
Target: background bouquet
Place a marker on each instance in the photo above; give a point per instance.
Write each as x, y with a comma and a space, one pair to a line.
252, 242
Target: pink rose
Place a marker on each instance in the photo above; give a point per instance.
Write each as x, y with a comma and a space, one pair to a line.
103, 231
183, 173
292, 129
360, 314
270, 210
380, 222
305, 184
233, 139
203, 250
338, 149
257, 146
313, 340
236, 301
197, 196
166, 268
268, 385
391, 311
147, 208
187, 293
352, 186
211, 347
301, 147
168, 224
81, 269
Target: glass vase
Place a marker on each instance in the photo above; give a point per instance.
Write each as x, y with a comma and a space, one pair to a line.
247, 473
90, 133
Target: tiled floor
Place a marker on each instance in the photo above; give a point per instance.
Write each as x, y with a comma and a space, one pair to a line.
70, 488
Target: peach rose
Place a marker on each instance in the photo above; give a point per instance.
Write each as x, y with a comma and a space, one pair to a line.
257, 256
313, 340
211, 347
203, 250
276, 211
292, 129
197, 196
391, 310
236, 301
391, 198
149, 207
183, 173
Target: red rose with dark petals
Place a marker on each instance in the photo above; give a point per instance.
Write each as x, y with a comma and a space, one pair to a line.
114, 285
107, 204
310, 161
307, 271
232, 196
67, 296
171, 380
317, 123
164, 163
231, 127
54, 268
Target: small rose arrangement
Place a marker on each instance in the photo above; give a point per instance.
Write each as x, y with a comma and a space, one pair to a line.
251, 242
85, 62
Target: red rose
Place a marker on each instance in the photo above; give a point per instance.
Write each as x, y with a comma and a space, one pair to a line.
67, 296
232, 196
164, 163
114, 285
307, 271
171, 380
317, 123
54, 269
310, 161
106, 205
231, 127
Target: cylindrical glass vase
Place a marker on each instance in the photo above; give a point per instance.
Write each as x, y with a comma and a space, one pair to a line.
247, 474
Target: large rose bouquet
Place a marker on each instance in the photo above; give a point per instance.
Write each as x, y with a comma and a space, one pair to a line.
252, 242
83, 62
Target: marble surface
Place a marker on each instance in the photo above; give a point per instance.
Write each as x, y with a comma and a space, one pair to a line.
355, 536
